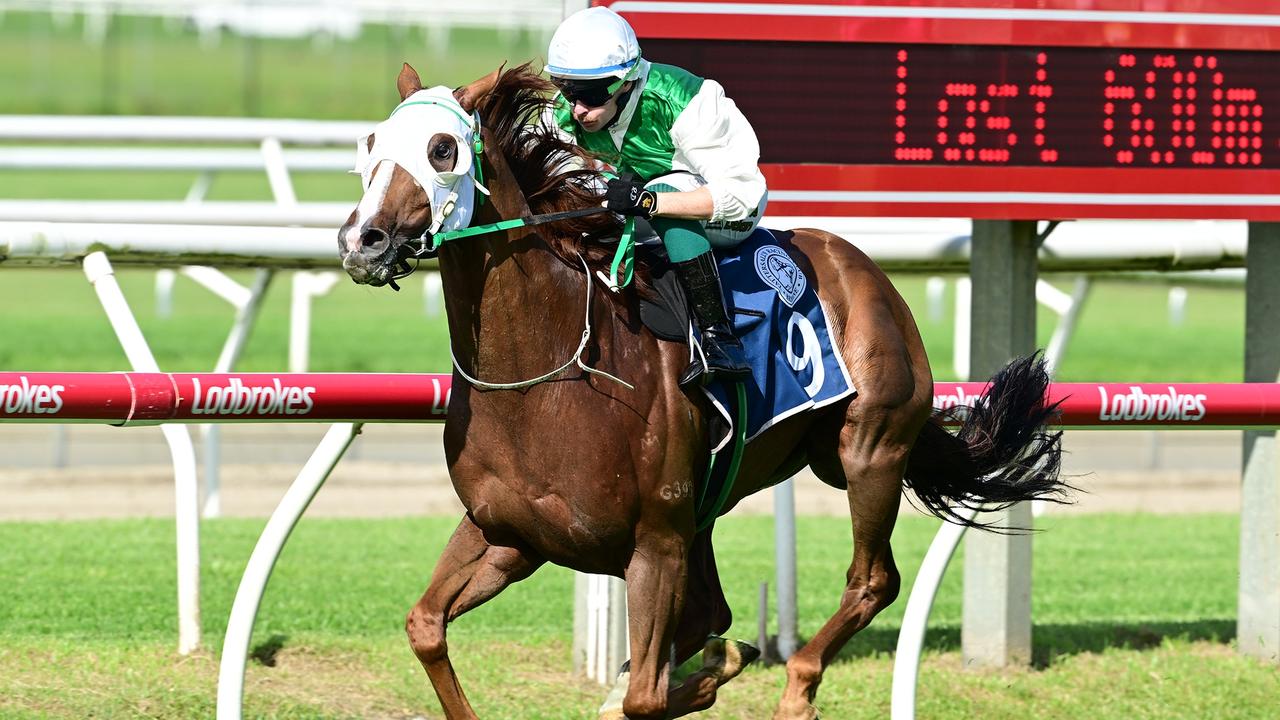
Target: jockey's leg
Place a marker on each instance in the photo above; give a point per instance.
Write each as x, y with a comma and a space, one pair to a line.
690, 254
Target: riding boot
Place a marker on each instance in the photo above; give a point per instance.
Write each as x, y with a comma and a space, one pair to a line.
723, 351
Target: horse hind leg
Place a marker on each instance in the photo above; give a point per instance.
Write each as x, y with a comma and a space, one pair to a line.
869, 463
469, 572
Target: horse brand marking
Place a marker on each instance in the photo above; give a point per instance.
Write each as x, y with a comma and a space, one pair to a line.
1140, 405
779, 271
678, 490
28, 399
237, 399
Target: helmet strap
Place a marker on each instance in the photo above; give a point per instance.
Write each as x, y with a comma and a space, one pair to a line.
623, 99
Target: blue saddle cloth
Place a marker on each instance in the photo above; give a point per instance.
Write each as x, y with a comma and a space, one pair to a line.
785, 333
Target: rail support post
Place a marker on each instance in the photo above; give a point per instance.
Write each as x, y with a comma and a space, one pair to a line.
1258, 619
996, 625
186, 493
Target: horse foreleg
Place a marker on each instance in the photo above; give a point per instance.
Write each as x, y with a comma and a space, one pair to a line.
469, 572
873, 476
655, 596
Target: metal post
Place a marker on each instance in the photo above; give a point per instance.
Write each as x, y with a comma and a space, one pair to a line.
247, 303
962, 334
306, 285
164, 292
762, 622
996, 629
618, 647
185, 491
784, 544
1258, 623
235, 647
278, 172
580, 621
1069, 317
600, 643
915, 619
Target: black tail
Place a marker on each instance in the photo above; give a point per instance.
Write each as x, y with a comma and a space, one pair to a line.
1001, 454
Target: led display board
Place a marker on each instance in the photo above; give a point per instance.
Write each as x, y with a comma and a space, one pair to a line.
1031, 109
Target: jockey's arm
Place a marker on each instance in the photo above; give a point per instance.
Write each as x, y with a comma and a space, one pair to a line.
714, 139
693, 204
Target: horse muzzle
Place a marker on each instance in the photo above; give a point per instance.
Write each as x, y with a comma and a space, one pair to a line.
365, 271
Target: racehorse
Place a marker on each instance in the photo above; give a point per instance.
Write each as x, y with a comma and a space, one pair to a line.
593, 465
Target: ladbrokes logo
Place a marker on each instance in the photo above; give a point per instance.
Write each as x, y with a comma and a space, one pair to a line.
27, 399
235, 398
957, 398
1138, 404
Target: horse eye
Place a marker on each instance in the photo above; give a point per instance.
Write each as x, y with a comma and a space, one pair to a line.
443, 151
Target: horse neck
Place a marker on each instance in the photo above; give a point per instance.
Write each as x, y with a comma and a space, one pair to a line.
514, 307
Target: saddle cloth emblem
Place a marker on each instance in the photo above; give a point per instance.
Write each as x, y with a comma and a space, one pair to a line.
786, 337
779, 272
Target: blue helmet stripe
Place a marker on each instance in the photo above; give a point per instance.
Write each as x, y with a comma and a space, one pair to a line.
569, 72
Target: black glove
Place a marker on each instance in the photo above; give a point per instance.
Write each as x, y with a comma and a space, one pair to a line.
626, 196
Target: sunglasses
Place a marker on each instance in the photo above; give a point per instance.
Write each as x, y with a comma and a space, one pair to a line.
591, 93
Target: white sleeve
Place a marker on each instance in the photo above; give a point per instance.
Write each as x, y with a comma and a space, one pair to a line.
718, 143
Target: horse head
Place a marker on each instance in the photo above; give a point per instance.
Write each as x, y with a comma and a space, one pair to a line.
419, 172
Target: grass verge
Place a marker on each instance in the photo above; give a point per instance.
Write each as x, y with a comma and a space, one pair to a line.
1134, 618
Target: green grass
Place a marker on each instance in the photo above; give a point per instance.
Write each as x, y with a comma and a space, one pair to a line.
1134, 616
354, 328
150, 66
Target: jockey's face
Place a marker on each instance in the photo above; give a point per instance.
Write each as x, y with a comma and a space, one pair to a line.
593, 118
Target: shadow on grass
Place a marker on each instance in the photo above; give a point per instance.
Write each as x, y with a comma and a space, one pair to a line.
265, 652
1050, 642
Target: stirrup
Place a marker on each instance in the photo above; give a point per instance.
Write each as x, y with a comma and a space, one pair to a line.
703, 371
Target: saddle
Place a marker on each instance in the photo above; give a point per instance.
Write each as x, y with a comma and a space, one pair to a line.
779, 318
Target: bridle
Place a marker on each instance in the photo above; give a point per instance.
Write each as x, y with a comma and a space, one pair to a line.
400, 261
394, 262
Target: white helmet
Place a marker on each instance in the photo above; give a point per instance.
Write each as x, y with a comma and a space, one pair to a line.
592, 44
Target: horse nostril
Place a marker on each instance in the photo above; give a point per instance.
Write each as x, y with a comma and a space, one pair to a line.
373, 237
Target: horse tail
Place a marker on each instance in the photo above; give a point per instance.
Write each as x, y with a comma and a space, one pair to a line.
1001, 455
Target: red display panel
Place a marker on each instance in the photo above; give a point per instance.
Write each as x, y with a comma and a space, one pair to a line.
1036, 110
988, 105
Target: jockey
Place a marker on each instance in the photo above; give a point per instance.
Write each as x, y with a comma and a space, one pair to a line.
691, 144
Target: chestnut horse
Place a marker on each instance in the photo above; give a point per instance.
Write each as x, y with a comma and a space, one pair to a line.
582, 470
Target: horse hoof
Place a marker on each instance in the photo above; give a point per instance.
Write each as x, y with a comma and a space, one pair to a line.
805, 711
727, 658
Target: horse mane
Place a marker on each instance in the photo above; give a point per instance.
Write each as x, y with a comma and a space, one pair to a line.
555, 175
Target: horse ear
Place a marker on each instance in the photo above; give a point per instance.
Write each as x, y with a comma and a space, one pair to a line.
469, 95
408, 83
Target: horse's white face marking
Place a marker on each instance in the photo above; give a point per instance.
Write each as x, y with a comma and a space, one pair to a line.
370, 202
404, 140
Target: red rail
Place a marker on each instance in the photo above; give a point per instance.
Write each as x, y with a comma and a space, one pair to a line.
129, 398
